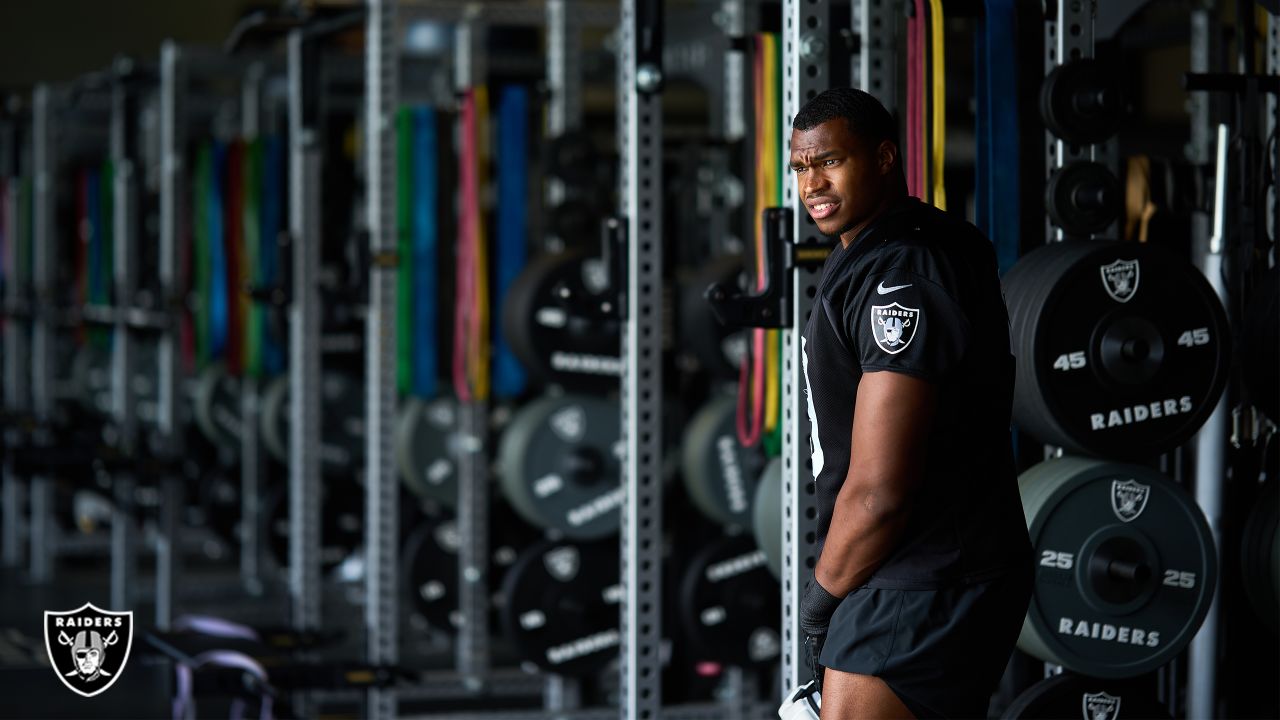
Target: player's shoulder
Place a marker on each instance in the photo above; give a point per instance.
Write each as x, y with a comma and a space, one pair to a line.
930, 244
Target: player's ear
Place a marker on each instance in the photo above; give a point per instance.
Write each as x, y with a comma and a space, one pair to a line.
886, 156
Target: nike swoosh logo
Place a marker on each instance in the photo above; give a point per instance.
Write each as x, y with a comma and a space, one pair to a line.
886, 290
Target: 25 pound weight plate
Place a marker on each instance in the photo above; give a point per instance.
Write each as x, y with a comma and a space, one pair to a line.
1126, 567
1069, 696
1121, 347
559, 466
719, 473
217, 406
766, 515
426, 448
730, 603
561, 609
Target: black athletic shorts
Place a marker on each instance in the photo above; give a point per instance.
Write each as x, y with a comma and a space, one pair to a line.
941, 651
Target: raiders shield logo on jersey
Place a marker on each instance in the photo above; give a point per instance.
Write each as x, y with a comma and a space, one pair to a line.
1120, 278
894, 326
88, 647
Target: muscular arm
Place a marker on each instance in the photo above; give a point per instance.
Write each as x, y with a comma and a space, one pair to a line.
891, 424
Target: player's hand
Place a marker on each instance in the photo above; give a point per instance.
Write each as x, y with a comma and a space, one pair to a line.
816, 608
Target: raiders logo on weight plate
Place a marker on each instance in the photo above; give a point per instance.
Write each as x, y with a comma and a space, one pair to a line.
1100, 706
1129, 499
1120, 279
894, 326
88, 647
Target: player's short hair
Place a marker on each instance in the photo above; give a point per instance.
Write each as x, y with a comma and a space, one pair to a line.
867, 118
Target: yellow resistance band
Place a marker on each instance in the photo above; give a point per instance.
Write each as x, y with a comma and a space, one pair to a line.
939, 104
768, 188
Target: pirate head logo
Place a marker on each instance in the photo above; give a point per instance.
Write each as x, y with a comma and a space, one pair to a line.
88, 647
1129, 499
894, 326
1120, 278
1100, 706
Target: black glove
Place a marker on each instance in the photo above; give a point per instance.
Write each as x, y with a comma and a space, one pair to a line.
816, 608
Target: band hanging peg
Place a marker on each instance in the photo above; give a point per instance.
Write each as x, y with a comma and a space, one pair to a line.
648, 46
604, 296
771, 307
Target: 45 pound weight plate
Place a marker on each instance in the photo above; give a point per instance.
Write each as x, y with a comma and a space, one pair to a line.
1071, 696
1121, 347
719, 473
731, 604
561, 609
426, 448
1125, 567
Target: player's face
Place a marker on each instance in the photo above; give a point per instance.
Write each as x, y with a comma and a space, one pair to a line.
840, 177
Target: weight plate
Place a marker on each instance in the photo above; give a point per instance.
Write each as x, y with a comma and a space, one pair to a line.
1260, 346
731, 604
341, 523
561, 610
427, 448
719, 473
217, 406
559, 465
1121, 348
430, 560
766, 514
1260, 555
1083, 198
341, 424
1126, 567
561, 341
1072, 696
1080, 101
717, 348
91, 373
274, 418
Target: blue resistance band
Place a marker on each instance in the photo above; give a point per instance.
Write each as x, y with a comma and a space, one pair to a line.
217, 255
512, 159
998, 189
269, 246
425, 239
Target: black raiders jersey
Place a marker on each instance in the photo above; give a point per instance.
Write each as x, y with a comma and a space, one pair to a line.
918, 293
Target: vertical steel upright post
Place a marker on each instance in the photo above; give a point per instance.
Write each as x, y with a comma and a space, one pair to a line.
564, 67
123, 531
472, 649
172, 176
381, 482
17, 350
44, 267
804, 76
876, 61
249, 533
304, 340
1068, 36
1270, 124
640, 118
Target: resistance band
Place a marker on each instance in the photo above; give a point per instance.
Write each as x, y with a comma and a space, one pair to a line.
914, 136
218, 309
938, 105
997, 186
471, 317
512, 232
233, 239
200, 231
426, 240
251, 268
268, 260
404, 247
